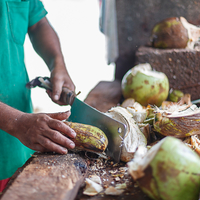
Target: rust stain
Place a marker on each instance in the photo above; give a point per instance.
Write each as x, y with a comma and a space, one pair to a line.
147, 180
129, 80
146, 82
161, 173
131, 91
161, 89
165, 172
153, 99
138, 88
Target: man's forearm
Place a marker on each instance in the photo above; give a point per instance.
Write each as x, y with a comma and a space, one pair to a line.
46, 42
8, 118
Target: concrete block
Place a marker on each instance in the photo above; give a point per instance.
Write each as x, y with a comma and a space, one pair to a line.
182, 67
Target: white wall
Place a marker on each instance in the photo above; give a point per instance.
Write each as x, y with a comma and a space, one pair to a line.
77, 25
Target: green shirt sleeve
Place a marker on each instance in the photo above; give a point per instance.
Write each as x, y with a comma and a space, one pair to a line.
36, 12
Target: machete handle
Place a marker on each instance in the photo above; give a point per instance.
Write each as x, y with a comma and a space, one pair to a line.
67, 96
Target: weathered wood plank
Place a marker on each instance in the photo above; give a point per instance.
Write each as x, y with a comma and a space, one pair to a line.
48, 176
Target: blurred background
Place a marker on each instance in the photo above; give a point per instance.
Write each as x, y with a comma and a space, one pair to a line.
84, 48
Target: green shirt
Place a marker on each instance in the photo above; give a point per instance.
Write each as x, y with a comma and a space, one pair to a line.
15, 18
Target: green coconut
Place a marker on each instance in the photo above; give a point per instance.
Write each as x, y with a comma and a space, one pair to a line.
170, 170
174, 32
175, 95
169, 33
145, 86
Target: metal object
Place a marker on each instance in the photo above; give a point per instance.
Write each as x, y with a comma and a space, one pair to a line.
83, 113
114, 130
195, 101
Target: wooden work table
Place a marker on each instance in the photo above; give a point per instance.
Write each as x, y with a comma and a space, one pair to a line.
61, 177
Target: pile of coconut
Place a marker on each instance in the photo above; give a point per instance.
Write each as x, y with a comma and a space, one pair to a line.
162, 143
161, 147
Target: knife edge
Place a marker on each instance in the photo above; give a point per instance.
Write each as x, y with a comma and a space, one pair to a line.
113, 129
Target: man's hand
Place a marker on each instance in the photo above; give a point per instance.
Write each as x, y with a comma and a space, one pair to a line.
45, 132
59, 79
41, 132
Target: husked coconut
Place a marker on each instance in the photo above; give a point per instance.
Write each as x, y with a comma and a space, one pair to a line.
113, 191
193, 142
177, 122
133, 136
92, 188
174, 32
134, 164
145, 129
138, 116
169, 33
95, 178
139, 113
193, 33
128, 103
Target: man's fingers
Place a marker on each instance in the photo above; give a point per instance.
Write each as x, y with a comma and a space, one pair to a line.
55, 101
53, 147
60, 116
56, 88
62, 128
55, 137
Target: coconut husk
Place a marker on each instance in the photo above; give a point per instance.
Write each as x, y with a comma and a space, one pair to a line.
133, 136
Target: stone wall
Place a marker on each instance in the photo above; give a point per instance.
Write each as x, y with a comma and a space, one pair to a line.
180, 65
135, 20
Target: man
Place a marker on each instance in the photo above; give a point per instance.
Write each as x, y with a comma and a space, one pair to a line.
19, 129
